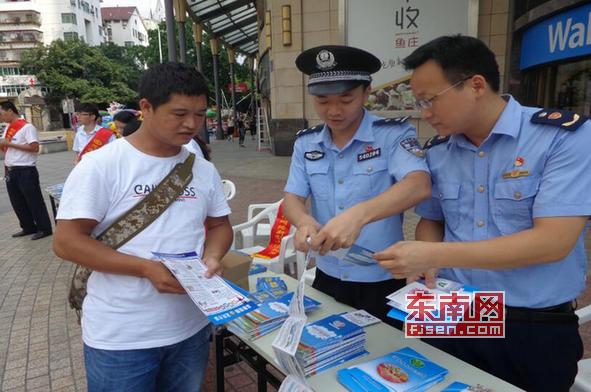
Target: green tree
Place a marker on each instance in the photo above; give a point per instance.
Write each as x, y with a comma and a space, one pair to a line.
152, 56
72, 69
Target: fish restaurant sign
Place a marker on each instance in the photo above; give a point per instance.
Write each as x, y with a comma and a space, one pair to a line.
562, 36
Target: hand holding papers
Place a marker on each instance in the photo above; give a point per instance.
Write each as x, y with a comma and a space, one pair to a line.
218, 299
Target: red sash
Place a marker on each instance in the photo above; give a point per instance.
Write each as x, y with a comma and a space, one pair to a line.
100, 138
12, 130
279, 230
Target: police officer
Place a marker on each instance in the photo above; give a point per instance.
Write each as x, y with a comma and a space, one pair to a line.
510, 203
357, 169
21, 147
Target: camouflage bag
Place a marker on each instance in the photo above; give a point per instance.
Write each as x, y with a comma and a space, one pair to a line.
133, 222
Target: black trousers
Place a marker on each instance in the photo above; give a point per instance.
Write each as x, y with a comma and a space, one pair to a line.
370, 297
241, 134
22, 184
537, 353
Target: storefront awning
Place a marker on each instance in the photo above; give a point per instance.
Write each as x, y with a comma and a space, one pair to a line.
234, 22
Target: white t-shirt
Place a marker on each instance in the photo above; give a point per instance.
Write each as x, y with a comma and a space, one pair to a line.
193, 146
122, 312
82, 138
14, 157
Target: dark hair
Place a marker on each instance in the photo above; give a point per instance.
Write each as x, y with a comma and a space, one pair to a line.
203, 147
90, 108
460, 57
131, 127
160, 81
125, 116
7, 105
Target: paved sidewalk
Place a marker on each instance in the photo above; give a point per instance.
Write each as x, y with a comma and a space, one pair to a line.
40, 343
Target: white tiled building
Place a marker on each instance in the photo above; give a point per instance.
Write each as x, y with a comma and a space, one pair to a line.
68, 19
123, 26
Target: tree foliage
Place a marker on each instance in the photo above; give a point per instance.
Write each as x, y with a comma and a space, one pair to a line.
72, 69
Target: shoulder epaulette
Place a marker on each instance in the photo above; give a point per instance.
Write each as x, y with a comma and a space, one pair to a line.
307, 131
390, 121
435, 140
564, 119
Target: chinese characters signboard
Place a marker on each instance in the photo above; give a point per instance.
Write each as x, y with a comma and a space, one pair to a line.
392, 29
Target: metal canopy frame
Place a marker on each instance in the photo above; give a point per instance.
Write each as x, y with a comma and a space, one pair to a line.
233, 22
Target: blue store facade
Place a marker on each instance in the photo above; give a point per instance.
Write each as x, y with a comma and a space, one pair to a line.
550, 61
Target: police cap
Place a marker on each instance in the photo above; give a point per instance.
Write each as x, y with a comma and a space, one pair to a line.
334, 69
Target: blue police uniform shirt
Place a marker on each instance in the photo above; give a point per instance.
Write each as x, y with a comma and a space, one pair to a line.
520, 172
337, 179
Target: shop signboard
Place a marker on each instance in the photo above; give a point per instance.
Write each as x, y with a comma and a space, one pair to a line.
560, 37
393, 29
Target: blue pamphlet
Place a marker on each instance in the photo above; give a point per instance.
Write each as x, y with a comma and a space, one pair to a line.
404, 370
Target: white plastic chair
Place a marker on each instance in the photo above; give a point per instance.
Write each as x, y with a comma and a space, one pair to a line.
262, 228
583, 379
229, 189
287, 252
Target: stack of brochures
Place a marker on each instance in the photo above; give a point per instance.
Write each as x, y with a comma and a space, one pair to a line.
329, 342
404, 370
268, 316
398, 300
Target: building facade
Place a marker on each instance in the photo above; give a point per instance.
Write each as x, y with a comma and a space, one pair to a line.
124, 26
391, 29
71, 19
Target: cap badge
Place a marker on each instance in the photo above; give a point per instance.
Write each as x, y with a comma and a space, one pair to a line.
325, 60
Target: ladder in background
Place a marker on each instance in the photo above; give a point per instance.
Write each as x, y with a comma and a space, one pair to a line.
263, 135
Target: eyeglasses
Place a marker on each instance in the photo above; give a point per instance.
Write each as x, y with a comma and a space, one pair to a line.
427, 103
82, 114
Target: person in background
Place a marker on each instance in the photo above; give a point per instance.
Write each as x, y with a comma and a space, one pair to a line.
241, 130
21, 147
89, 135
122, 118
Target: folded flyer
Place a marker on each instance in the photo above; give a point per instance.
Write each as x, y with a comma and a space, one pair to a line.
404, 370
220, 300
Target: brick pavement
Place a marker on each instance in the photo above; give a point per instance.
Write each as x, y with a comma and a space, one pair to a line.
40, 343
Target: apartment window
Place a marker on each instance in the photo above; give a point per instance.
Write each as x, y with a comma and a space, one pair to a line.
68, 36
72, 2
69, 18
128, 43
124, 24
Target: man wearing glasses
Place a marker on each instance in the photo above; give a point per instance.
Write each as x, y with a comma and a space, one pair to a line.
510, 203
89, 135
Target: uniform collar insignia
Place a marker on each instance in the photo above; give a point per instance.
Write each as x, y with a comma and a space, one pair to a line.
435, 140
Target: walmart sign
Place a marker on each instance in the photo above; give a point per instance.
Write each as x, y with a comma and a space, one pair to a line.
563, 36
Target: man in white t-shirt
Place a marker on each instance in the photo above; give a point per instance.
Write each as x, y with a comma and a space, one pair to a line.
141, 330
21, 146
89, 135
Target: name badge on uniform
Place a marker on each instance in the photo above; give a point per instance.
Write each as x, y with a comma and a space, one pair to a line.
313, 155
369, 154
412, 145
515, 174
